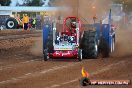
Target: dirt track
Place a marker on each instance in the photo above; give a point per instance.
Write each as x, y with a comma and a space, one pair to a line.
22, 66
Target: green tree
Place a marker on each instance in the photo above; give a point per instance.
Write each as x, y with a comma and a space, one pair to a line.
36, 3
5, 2
33, 2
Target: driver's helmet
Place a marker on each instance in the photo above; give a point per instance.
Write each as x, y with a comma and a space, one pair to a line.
73, 24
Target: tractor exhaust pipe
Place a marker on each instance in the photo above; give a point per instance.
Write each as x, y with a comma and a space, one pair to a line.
54, 33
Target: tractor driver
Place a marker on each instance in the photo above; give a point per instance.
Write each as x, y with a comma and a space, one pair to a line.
73, 26
73, 23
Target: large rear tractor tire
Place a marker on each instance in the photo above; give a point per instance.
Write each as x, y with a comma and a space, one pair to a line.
11, 23
49, 46
89, 44
50, 42
103, 48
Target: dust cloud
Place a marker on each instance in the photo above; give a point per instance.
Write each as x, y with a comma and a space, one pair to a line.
123, 42
90, 8
71, 6
83, 8
37, 47
87, 9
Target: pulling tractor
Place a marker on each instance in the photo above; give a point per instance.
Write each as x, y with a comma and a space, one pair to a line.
77, 40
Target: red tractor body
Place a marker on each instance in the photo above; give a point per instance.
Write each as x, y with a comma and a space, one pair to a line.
66, 43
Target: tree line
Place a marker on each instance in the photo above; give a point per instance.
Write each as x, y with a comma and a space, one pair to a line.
25, 2
127, 4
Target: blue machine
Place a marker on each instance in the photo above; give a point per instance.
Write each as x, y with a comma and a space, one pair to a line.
105, 36
107, 33
46, 32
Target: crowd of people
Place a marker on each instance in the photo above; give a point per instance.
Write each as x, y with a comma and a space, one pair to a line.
28, 23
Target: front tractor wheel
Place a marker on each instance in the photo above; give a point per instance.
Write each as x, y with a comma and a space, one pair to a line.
112, 48
80, 55
46, 57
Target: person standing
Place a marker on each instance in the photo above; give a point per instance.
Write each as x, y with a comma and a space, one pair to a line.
25, 21
34, 23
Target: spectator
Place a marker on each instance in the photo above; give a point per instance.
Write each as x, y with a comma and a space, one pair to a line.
25, 22
34, 23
